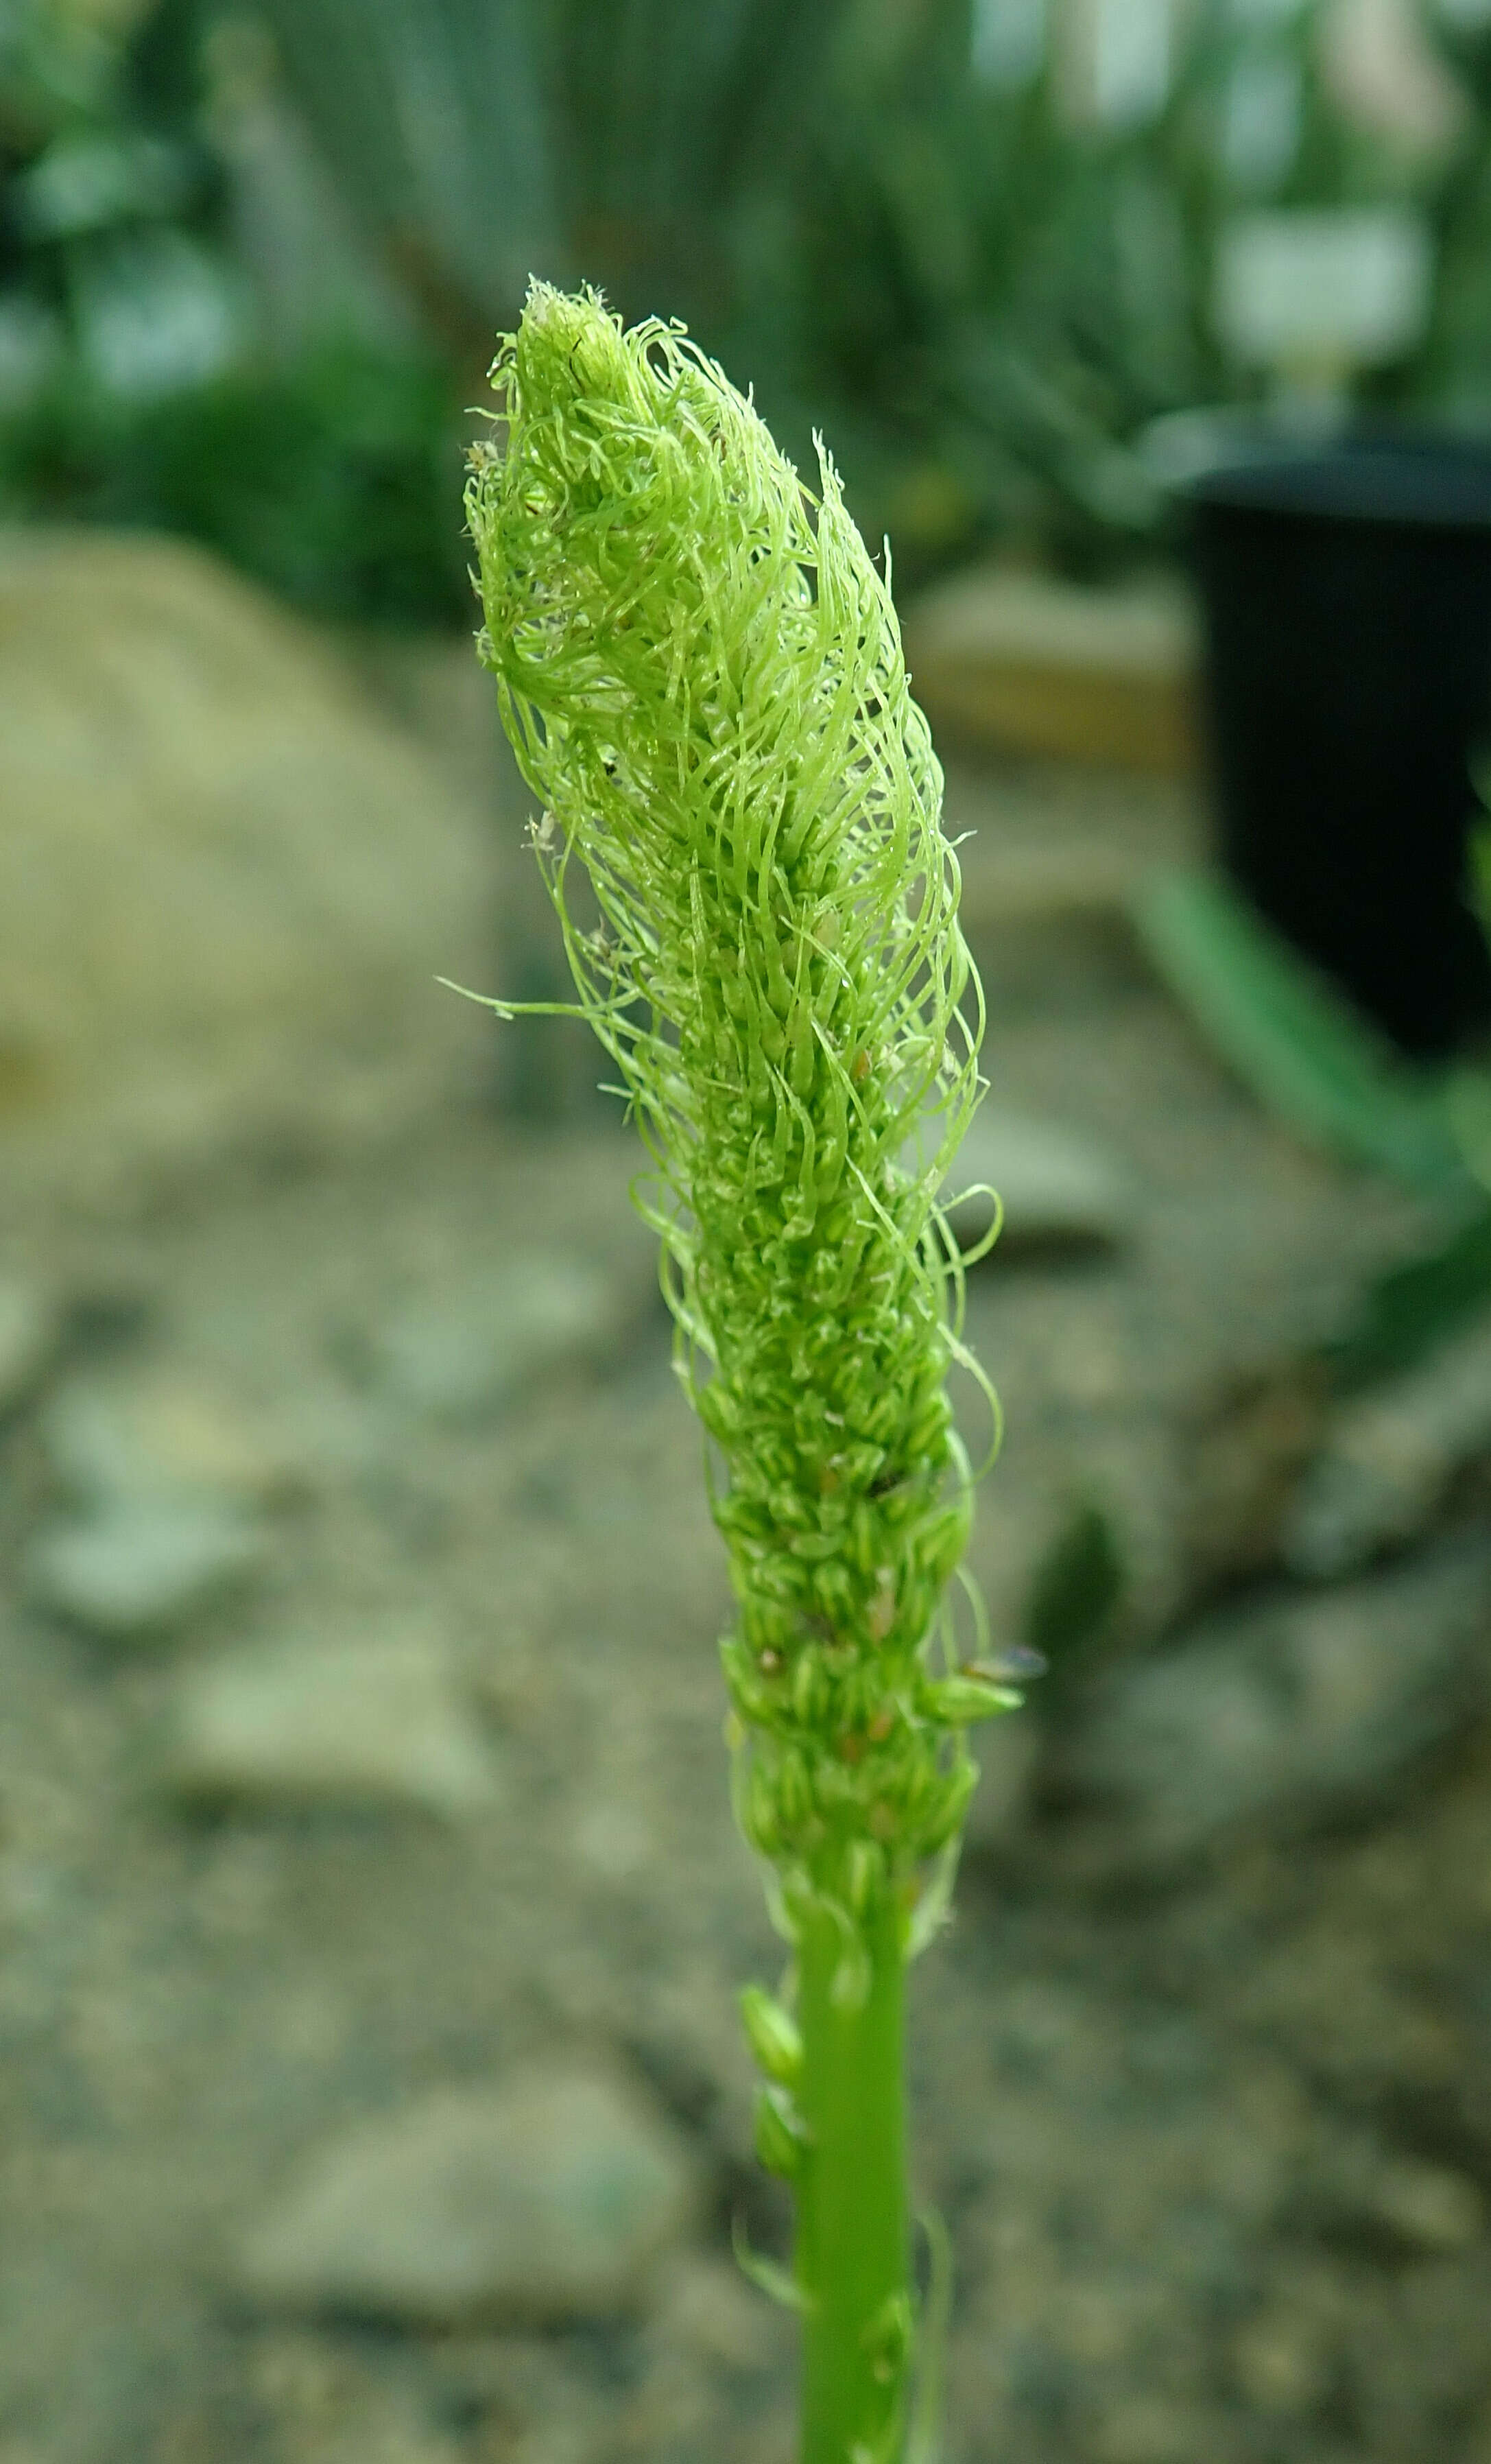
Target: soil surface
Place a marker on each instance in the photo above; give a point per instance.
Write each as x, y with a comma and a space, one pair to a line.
1212, 2144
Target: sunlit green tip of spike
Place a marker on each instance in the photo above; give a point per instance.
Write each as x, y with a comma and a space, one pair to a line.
567, 347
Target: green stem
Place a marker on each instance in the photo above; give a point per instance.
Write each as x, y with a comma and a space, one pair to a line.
853, 2247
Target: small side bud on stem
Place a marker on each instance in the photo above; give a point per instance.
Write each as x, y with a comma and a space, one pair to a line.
772, 2035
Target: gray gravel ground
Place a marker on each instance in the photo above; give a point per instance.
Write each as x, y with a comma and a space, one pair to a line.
1212, 2141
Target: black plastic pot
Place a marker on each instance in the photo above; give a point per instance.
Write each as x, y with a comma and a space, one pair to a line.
1346, 592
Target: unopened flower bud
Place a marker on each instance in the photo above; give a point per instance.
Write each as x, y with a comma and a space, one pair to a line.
781, 2136
960, 1702
772, 2034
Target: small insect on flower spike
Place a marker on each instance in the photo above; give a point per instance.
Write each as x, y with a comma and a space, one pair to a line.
701, 673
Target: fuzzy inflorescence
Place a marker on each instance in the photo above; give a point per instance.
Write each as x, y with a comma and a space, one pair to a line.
701, 670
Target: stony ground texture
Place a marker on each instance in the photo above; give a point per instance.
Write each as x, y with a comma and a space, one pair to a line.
370, 1910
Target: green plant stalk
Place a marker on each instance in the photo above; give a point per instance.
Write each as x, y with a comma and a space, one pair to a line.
853, 2243
701, 674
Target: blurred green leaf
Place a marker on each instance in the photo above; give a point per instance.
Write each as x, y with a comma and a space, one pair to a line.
1299, 1044
1480, 872
1408, 1313
483, 140
431, 113
1468, 1109
336, 481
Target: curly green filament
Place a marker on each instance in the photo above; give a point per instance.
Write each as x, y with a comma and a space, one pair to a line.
853, 2251
701, 671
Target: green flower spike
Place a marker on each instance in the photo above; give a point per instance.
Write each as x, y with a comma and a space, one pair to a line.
700, 669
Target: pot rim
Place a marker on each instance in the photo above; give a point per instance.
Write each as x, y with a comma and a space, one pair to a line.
1412, 478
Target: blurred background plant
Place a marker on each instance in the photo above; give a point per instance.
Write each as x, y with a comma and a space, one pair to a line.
114, 278
250, 258
189, 338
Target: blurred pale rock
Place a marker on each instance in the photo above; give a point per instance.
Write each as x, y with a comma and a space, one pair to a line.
144, 1567
1390, 1458
706, 2308
548, 2198
377, 1725
227, 883
1282, 1715
29, 1328
1055, 1185
1283, 2358
1152, 2430
159, 1434
1026, 664
461, 1350
1051, 863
